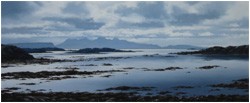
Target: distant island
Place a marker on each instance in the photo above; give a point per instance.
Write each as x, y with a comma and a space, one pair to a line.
232, 50
34, 45
116, 43
41, 50
99, 50
37, 47
102, 42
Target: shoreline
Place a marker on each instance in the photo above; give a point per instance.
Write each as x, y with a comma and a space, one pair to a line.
114, 97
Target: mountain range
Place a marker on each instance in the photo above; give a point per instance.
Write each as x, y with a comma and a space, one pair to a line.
100, 42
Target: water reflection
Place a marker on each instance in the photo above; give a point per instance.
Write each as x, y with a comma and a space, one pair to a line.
230, 68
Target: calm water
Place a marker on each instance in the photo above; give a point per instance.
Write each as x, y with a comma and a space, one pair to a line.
231, 68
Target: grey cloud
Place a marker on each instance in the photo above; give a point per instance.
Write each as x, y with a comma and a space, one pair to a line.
192, 2
150, 24
16, 9
243, 23
71, 17
24, 30
83, 24
213, 10
153, 10
157, 11
76, 8
17, 40
152, 36
60, 28
147, 24
191, 19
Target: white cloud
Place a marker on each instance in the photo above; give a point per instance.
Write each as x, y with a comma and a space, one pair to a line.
106, 12
235, 12
195, 27
50, 9
133, 18
169, 6
234, 25
206, 34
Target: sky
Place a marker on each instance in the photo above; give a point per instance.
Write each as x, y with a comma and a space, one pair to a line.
162, 23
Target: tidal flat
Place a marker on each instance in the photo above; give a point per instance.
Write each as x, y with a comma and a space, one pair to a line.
146, 75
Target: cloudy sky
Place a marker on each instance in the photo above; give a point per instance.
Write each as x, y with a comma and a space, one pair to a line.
162, 23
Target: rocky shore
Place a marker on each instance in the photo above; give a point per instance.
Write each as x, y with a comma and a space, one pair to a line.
113, 93
230, 50
50, 75
240, 84
113, 97
14, 54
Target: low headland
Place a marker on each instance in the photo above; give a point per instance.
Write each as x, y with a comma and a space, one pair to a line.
99, 50
230, 50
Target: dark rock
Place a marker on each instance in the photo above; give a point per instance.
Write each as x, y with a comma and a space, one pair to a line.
208, 67
14, 54
107, 76
68, 68
128, 68
183, 87
89, 65
98, 50
240, 84
12, 88
50, 74
211, 90
107, 64
149, 94
164, 92
168, 68
125, 88
232, 50
27, 84
114, 97
105, 58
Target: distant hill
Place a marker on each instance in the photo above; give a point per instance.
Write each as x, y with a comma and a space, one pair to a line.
230, 50
34, 45
14, 54
104, 43
183, 47
41, 50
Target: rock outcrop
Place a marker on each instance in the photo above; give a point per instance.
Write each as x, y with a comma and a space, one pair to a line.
14, 54
230, 50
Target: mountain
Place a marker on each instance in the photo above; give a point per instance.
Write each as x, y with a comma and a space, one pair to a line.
34, 45
102, 42
14, 54
183, 47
